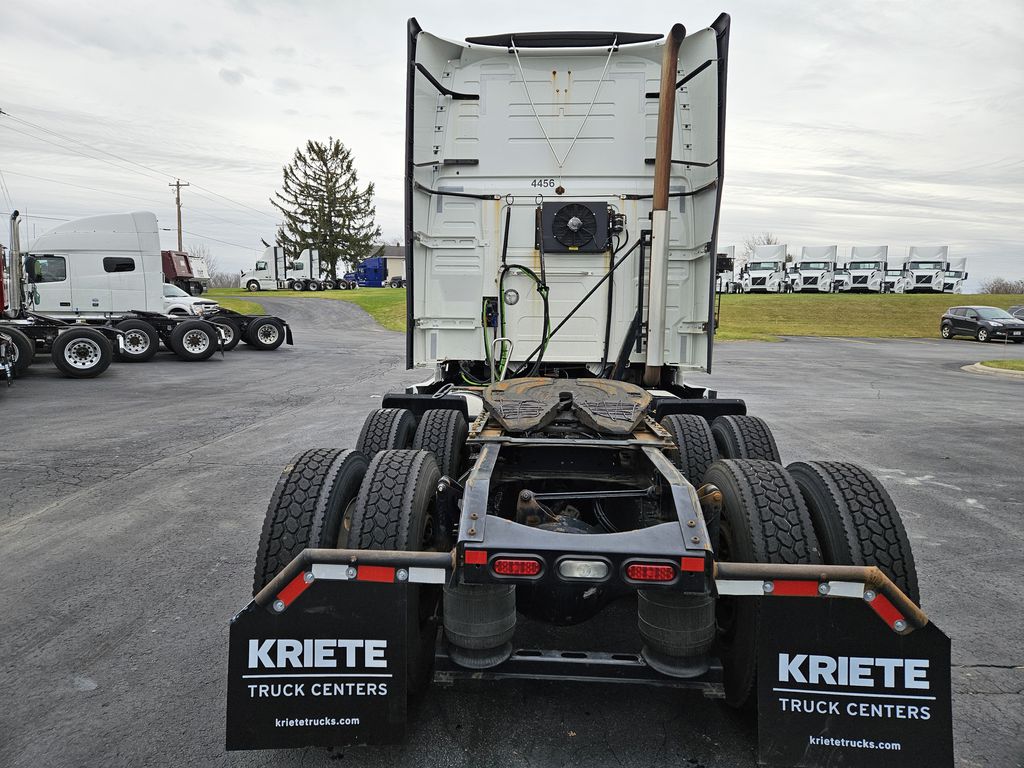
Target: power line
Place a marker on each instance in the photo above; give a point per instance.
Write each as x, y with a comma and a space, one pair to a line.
207, 237
7, 193
111, 154
34, 216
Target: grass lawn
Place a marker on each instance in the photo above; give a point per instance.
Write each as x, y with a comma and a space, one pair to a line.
762, 317
385, 305
244, 306
1008, 365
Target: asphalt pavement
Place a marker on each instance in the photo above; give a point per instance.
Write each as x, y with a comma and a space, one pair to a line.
132, 504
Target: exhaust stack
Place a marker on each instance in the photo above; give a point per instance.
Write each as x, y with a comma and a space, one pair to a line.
13, 278
660, 217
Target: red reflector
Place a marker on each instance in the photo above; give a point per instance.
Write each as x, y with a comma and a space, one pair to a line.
795, 588
507, 566
889, 613
476, 557
693, 564
294, 588
375, 573
650, 572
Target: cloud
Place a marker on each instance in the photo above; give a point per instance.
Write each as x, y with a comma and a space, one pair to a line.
285, 86
231, 76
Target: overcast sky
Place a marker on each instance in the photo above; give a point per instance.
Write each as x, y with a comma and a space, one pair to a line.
848, 123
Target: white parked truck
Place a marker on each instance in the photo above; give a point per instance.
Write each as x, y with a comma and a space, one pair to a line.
897, 278
816, 269
278, 271
765, 272
866, 268
955, 275
106, 271
927, 266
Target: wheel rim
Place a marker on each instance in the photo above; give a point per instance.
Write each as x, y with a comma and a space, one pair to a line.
196, 341
229, 332
267, 333
82, 354
136, 342
982, 335
945, 331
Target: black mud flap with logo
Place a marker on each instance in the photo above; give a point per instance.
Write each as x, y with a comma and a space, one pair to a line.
328, 670
838, 687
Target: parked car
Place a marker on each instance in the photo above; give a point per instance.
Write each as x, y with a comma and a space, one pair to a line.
1017, 311
179, 302
983, 323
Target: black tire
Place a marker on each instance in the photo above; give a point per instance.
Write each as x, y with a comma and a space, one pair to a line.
745, 437
394, 511
764, 520
856, 521
983, 335
193, 340
298, 286
231, 328
24, 349
316, 491
443, 432
946, 331
141, 341
313, 285
696, 449
266, 333
252, 286
82, 353
328, 285
386, 429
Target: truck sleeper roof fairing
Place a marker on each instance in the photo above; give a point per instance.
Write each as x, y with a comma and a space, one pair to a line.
505, 133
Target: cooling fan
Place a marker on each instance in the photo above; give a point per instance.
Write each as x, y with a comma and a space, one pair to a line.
575, 227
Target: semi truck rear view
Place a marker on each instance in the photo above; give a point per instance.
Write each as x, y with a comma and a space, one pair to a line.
556, 468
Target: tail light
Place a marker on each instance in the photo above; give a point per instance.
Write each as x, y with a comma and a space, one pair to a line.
650, 572
516, 566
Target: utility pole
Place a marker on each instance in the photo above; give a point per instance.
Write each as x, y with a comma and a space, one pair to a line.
178, 184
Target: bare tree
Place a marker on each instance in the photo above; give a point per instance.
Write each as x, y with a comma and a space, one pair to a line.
752, 241
1002, 285
200, 250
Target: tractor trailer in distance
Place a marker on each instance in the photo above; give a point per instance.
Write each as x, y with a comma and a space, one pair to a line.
816, 269
560, 463
926, 267
190, 272
866, 267
765, 272
276, 270
956, 274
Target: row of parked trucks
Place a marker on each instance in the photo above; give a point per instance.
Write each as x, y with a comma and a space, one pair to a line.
867, 270
93, 290
277, 270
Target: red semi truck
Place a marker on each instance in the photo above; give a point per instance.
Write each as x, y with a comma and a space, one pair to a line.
187, 271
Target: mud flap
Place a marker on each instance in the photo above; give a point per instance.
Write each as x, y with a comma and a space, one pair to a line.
838, 687
327, 670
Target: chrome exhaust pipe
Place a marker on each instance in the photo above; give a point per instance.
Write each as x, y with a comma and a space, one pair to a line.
13, 276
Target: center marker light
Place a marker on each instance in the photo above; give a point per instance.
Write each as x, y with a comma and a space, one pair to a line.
591, 570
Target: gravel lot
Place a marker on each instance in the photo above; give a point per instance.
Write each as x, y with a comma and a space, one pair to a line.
132, 505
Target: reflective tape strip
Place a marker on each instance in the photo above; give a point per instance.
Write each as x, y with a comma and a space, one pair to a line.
381, 573
427, 575
733, 587
294, 588
846, 589
794, 588
330, 571
886, 610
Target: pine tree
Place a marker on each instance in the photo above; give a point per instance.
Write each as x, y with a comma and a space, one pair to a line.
324, 208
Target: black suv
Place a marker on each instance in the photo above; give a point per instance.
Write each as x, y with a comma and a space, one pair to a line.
983, 323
